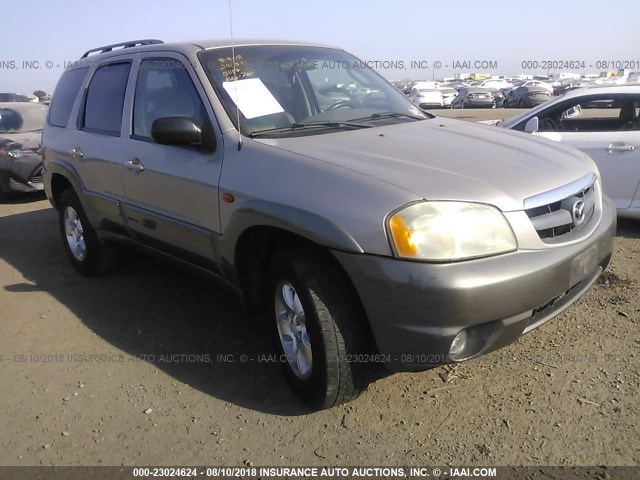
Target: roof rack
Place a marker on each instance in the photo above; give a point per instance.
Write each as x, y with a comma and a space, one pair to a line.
132, 43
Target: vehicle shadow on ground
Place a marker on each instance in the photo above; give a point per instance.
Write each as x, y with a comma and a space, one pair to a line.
628, 228
24, 198
181, 321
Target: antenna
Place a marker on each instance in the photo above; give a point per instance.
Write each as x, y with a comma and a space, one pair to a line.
233, 55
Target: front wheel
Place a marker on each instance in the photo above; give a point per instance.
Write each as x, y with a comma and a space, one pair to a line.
318, 327
4, 197
85, 251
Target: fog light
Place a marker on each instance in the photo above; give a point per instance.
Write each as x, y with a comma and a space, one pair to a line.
458, 345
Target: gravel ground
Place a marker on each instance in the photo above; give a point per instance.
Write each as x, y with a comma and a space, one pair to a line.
128, 369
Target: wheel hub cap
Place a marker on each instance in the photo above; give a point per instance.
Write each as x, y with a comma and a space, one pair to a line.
292, 330
74, 233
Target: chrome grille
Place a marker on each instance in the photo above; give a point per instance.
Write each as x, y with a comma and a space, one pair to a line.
564, 216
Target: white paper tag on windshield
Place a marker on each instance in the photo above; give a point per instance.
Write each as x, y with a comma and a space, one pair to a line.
252, 97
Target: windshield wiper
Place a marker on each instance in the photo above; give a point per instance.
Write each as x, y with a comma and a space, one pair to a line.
383, 115
294, 127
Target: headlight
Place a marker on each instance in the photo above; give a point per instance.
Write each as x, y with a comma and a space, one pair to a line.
442, 231
17, 153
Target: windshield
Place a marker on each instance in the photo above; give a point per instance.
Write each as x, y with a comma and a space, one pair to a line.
20, 120
276, 86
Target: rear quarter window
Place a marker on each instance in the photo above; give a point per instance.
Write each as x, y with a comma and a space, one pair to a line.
105, 99
64, 96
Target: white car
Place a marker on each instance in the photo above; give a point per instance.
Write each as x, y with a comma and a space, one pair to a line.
603, 122
538, 83
448, 94
498, 83
426, 97
425, 84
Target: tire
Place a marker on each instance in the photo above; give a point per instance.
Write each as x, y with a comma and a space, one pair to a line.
4, 197
318, 370
87, 254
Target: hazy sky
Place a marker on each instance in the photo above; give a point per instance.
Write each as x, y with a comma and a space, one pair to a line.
506, 32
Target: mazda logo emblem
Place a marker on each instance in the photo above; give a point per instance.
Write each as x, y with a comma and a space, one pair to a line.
578, 213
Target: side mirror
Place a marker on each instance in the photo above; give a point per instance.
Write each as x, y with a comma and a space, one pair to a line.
574, 111
182, 132
532, 125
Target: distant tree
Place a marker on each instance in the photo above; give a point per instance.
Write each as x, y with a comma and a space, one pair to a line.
40, 94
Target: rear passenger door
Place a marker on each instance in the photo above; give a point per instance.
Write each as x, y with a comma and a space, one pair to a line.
171, 192
90, 142
100, 152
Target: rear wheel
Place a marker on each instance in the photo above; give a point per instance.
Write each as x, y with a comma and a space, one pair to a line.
318, 325
4, 197
85, 251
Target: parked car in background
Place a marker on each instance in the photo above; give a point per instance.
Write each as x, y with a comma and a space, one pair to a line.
634, 77
498, 96
426, 97
569, 85
474, 97
457, 86
526, 97
402, 86
448, 94
537, 83
497, 83
20, 150
14, 97
603, 122
426, 84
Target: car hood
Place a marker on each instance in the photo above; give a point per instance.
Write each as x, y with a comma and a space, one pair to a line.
25, 140
445, 159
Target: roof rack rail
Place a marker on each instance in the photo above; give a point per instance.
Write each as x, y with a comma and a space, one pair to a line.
132, 43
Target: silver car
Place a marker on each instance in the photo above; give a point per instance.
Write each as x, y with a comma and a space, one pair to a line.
365, 231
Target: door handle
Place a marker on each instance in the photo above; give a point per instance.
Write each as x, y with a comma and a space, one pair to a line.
76, 152
620, 147
134, 165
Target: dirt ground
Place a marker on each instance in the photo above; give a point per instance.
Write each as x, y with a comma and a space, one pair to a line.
135, 368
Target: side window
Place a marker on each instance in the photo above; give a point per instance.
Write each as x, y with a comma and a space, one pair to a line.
105, 98
64, 96
595, 114
164, 89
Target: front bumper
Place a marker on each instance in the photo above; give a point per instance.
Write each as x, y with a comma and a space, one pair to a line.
476, 103
416, 309
428, 104
23, 174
